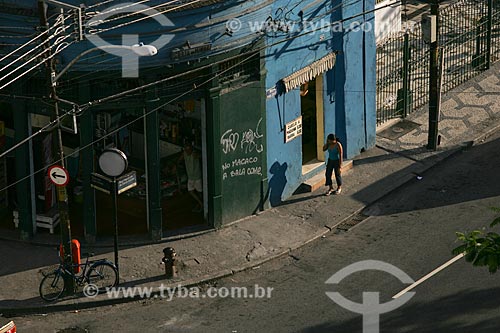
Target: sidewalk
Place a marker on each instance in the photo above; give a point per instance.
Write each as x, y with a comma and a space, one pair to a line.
470, 113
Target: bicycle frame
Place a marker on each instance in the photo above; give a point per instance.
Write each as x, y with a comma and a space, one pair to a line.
80, 278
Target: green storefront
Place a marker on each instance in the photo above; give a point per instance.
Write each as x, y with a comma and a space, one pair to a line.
218, 108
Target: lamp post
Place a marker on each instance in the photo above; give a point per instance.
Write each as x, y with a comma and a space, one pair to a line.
113, 162
139, 49
434, 77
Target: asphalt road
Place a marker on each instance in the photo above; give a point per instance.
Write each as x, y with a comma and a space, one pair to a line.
413, 229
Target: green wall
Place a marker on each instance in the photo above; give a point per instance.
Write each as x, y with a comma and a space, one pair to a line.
242, 145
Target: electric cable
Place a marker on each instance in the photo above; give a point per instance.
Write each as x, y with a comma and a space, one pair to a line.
146, 17
89, 104
57, 120
115, 9
34, 39
29, 52
36, 66
109, 67
100, 3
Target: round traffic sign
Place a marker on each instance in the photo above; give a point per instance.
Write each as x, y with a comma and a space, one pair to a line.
58, 175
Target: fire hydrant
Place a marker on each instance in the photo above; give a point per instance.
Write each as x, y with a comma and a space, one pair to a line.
169, 262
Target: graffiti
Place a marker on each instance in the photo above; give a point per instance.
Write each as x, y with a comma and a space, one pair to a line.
237, 168
229, 141
249, 140
248, 143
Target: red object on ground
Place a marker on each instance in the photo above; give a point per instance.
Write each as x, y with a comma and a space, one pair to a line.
10, 327
75, 252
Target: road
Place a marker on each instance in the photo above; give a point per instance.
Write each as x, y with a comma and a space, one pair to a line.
412, 229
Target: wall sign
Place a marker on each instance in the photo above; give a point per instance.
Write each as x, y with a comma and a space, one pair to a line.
271, 92
293, 129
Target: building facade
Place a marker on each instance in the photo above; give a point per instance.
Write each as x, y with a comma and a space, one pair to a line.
254, 86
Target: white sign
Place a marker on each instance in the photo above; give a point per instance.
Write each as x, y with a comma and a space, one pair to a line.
58, 175
271, 92
293, 129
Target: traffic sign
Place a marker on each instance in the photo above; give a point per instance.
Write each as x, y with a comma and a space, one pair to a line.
101, 183
58, 175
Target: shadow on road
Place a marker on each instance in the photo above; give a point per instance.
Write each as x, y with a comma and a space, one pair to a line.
468, 176
460, 312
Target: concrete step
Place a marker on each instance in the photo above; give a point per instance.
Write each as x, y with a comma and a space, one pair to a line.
318, 181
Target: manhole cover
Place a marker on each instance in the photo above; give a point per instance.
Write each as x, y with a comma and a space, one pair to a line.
398, 130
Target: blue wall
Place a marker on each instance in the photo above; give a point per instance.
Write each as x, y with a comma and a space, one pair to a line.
349, 88
200, 25
349, 102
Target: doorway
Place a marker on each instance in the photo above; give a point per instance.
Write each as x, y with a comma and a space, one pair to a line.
311, 103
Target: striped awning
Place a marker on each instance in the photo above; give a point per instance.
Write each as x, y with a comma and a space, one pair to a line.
309, 72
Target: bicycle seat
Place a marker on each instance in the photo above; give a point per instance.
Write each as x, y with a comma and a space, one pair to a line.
88, 254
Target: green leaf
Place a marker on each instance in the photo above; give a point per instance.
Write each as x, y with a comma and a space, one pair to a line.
495, 222
460, 249
495, 209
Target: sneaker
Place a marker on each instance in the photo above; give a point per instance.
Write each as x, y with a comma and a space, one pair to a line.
338, 191
329, 192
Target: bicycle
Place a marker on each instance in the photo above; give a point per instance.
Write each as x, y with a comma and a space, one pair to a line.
102, 273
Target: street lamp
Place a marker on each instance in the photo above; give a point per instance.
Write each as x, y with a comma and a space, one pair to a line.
139, 49
113, 162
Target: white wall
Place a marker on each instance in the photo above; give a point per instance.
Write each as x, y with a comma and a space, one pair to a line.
387, 20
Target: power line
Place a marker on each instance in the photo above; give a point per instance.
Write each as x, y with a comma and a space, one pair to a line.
108, 67
119, 8
33, 58
110, 59
108, 134
89, 104
35, 38
36, 66
146, 17
93, 103
25, 44
100, 3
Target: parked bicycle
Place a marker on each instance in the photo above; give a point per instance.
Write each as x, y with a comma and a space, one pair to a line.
102, 273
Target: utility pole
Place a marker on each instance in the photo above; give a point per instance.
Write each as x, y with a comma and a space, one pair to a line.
62, 196
434, 82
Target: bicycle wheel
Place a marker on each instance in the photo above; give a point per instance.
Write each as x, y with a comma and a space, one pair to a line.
103, 275
52, 286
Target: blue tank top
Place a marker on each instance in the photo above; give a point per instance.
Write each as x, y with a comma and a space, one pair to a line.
333, 153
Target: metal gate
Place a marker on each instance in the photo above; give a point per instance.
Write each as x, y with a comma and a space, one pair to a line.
469, 35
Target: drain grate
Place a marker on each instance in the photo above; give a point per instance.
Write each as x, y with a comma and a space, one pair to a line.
355, 220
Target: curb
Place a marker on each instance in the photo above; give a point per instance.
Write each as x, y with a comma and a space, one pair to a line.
10, 312
106, 244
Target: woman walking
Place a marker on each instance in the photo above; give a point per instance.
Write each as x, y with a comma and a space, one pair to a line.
334, 163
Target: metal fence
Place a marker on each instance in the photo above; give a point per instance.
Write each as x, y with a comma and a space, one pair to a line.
469, 37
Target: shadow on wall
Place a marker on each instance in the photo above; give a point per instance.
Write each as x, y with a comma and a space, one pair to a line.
277, 183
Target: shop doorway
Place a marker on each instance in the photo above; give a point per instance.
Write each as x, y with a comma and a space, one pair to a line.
311, 102
178, 124
184, 164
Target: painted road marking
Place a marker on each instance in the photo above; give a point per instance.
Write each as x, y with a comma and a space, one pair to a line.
426, 277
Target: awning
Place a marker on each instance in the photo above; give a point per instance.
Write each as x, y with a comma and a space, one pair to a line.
309, 72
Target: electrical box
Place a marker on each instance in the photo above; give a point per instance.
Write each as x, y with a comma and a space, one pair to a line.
429, 28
